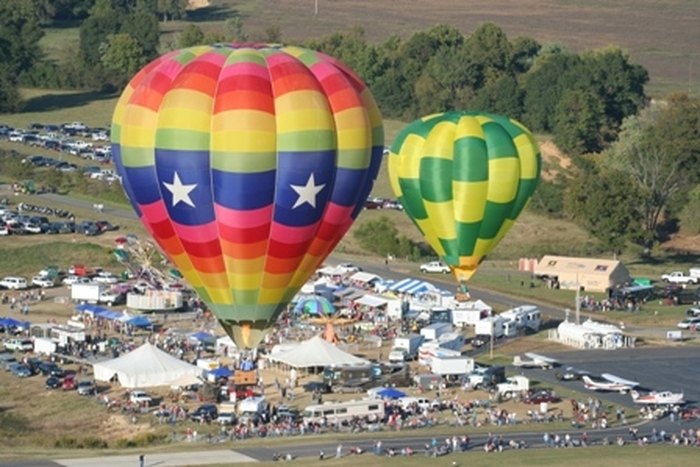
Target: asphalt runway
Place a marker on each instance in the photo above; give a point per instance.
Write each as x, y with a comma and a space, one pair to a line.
659, 369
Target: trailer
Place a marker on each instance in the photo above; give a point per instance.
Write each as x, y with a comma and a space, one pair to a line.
451, 366
493, 325
155, 300
526, 317
405, 348
94, 293
435, 330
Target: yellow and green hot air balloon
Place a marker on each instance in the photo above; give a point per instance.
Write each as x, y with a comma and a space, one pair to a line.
463, 178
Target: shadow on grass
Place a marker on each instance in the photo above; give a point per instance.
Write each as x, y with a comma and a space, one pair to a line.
49, 102
212, 13
677, 257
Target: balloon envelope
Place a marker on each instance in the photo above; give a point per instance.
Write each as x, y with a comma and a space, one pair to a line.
247, 163
463, 178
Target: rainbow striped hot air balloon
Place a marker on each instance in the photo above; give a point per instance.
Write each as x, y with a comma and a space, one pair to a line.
247, 163
464, 177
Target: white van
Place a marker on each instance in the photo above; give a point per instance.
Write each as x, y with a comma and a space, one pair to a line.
252, 408
14, 283
342, 411
421, 402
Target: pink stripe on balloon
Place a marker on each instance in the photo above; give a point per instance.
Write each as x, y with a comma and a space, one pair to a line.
244, 69
288, 234
337, 214
241, 219
322, 70
170, 68
197, 233
211, 57
154, 212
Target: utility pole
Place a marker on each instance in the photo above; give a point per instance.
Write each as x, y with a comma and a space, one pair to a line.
315, 7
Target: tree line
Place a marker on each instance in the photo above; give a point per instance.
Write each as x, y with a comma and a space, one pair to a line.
643, 155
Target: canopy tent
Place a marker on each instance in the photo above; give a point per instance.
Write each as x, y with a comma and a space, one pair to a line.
365, 278
202, 336
14, 323
139, 322
144, 367
314, 305
371, 301
221, 372
100, 312
316, 352
390, 393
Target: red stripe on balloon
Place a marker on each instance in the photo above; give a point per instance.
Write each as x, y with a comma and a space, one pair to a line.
243, 235
278, 249
290, 75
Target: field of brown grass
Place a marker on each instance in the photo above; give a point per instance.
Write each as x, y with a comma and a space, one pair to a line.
661, 35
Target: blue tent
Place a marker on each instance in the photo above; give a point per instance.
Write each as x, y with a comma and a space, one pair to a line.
88, 308
139, 322
221, 372
202, 336
14, 323
390, 393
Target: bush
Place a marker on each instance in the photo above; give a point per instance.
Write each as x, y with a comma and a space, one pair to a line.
89, 442
141, 440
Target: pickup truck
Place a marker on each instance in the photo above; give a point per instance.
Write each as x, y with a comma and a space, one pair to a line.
678, 277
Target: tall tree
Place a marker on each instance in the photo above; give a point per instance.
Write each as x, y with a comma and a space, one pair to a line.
124, 55
489, 46
578, 119
660, 150
19, 47
605, 203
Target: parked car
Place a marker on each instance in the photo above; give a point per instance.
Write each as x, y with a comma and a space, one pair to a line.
205, 412
434, 267
69, 383
105, 277
71, 280
19, 345
687, 323
52, 382
539, 396
226, 418
140, 397
347, 268
14, 283
480, 340
86, 388
43, 282
20, 370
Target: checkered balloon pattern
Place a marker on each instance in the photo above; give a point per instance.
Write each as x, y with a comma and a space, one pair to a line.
463, 178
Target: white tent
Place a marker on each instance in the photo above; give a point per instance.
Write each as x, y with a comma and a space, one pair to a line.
314, 353
144, 367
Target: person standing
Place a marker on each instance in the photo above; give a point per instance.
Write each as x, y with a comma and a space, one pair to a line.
141, 460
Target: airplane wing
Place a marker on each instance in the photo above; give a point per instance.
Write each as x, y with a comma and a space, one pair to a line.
541, 358
616, 379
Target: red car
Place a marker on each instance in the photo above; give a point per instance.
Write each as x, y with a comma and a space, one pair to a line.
69, 382
541, 396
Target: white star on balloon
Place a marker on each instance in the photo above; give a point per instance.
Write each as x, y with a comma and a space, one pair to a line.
180, 192
307, 193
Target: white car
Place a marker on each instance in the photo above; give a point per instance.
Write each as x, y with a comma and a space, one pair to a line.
347, 268
140, 397
434, 267
73, 279
19, 345
688, 322
43, 282
105, 277
14, 283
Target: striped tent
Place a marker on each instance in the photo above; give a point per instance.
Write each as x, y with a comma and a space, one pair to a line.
412, 286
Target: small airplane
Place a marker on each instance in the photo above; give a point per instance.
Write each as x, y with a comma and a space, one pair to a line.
534, 361
608, 382
658, 398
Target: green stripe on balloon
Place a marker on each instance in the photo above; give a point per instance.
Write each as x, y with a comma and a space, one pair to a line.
467, 233
411, 199
470, 160
434, 171
498, 141
494, 216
